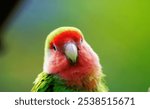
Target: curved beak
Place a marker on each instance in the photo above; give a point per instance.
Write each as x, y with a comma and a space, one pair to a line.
71, 52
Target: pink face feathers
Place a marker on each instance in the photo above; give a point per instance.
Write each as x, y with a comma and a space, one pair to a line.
75, 62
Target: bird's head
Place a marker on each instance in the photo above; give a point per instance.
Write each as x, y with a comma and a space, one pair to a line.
65, 41
67, 53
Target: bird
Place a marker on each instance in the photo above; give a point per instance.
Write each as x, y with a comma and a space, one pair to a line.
70, 64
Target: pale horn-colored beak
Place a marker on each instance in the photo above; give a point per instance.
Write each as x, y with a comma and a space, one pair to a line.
71, 52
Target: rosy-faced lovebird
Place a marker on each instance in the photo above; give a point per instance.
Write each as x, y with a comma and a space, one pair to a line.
70, 64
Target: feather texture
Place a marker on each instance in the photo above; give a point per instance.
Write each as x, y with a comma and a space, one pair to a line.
85, 74
52, 83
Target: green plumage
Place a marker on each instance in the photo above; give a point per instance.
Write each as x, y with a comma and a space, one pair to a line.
52, 83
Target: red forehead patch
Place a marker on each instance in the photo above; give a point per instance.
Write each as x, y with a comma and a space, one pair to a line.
66, 36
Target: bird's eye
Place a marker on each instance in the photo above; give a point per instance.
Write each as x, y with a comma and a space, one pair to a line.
54, 47
81, 40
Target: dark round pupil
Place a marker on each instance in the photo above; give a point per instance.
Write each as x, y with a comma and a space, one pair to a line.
54, 47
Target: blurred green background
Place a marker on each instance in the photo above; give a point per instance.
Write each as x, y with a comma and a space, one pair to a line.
118, 30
